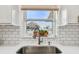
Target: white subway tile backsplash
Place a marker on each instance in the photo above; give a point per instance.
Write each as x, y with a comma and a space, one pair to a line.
8, 38
15, 33
16, 30
5, 36
67, 35
2, 33
0, 30
1, 36
70, 35
5, 30
6, 42
17, 36
9, 35
3, 39
11, 30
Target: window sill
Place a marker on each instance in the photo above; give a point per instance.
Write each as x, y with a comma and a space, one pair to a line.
49, 37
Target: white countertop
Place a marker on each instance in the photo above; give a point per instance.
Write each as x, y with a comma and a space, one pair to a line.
14, 49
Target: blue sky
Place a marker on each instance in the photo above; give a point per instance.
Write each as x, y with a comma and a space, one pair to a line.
37, 14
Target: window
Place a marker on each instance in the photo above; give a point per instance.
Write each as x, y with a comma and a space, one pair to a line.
42, 19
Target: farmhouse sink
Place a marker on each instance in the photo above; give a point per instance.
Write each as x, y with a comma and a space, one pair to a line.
38, 50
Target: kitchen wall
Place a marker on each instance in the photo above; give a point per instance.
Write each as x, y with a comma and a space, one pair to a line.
5, 13
69, 35
9, 35
72, 13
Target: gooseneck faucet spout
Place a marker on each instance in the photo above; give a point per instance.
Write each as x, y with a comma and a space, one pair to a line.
39, 39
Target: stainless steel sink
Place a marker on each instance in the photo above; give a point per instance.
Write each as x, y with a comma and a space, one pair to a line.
39, 50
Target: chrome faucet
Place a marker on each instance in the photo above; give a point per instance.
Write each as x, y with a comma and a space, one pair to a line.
39, 37
39, 40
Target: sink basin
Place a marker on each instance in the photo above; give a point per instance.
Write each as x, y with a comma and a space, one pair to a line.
38, 50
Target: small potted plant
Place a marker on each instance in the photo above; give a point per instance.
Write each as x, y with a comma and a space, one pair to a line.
45, 33
40, 33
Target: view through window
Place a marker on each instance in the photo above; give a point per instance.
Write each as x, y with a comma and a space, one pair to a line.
39, 19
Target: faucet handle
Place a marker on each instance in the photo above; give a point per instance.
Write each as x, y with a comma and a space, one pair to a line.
49, 42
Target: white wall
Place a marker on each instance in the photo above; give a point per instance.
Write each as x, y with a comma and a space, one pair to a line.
72, 12
5, 13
